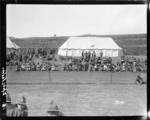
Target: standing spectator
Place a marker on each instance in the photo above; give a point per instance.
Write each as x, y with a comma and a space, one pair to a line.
134, 66
122, 61
85, 55
8, 59
70, 61
53, 57
94, 55
89, 55
110, 60
82, 54
9, 107
101, 54
20, 58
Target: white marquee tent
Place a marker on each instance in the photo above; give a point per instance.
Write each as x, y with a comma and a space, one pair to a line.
75, 45
10, 44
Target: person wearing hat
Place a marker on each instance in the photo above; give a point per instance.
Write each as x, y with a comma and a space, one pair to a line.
53, 110
9, 107
21, 110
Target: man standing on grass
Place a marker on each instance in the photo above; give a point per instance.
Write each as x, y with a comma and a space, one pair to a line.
101, 54
82, 55
9, 107
141, 79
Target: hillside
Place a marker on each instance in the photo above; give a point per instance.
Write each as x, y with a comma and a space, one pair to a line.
133, 44
126, 36
40, 42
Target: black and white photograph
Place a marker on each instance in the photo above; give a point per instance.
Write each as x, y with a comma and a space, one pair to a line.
76, 60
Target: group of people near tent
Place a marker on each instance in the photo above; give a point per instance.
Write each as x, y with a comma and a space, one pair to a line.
27, 61
87, 62
20, 108
100, 64
13, 57
46, 66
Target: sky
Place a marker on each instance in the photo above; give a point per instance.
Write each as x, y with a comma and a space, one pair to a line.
71, 20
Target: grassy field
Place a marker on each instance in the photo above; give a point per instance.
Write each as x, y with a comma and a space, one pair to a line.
79, 93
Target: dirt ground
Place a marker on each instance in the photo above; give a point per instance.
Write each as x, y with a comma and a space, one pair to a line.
79, 93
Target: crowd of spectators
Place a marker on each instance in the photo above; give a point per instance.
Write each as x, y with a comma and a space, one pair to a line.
25, 61
87, 62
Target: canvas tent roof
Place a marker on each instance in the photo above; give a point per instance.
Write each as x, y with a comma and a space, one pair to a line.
74, 47
84, 43
10, 44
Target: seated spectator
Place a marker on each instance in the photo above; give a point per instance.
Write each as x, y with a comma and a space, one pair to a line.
65, 67
128, 67
140, 68
70, 61
122, 61
23, 67
28, 67
44, 68
70, 67
75, 67
53, 68
33, 67
95, 67
144, 68
90, 68
112, 67
100, 67
134, 69
80, 67
105, 67
17, 68
38, 67
117, 68
123, 68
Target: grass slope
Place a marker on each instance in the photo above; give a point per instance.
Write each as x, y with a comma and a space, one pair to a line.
135, 44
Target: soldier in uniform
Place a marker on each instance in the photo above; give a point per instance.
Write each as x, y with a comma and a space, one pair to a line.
82, 55
9, 107
53, 110
141, 79
21, 110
